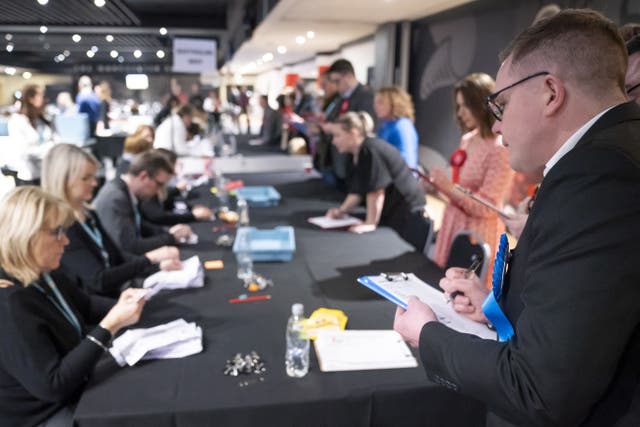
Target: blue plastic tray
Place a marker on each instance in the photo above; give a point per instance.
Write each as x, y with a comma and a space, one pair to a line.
277, 244
259, 196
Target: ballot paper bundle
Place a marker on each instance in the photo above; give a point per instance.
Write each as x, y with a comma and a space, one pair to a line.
190, 276
169, 341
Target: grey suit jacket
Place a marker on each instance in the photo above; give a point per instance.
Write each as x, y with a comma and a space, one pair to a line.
572, 295
116, 212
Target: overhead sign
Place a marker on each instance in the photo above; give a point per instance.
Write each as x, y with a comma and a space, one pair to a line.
194, 55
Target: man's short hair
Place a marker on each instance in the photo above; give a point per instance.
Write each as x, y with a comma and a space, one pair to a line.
586, 47
185, 110
151, 162
633, 45
341, 66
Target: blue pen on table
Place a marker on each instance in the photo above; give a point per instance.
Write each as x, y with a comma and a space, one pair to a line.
467, 275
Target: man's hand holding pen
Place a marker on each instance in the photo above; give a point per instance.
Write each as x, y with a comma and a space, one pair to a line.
466, 292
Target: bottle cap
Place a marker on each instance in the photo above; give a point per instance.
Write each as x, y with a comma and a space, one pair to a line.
297, 309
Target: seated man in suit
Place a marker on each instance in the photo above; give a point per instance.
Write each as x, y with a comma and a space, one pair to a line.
633, 71
567, 315
117, 206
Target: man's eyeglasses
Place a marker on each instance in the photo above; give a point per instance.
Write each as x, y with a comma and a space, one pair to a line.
631, 89
59, 232
160, 184
496, 108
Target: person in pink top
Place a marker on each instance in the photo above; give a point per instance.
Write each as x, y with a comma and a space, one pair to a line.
480, 164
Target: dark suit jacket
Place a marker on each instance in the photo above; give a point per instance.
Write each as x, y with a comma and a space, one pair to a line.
82, 258
157, 212
115, 209
43, 361
572, 295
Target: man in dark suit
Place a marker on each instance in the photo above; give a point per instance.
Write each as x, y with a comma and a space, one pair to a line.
117, 206
353, 97
572, 288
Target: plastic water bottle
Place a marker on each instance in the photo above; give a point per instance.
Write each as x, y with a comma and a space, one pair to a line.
243, 257
243, 212
297, 356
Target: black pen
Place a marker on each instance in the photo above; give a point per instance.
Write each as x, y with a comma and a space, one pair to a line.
467, 275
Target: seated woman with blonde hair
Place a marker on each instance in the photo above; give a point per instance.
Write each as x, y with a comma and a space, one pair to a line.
68, 172
47, 349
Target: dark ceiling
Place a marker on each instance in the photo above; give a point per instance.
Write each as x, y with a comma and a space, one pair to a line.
133, 24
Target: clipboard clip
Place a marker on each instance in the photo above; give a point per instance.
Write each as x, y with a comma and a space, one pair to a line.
395, 277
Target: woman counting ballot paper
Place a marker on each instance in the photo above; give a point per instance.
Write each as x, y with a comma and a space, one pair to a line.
381, 178
480, 165
47, 349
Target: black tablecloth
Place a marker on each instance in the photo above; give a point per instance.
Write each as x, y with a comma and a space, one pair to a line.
194, 392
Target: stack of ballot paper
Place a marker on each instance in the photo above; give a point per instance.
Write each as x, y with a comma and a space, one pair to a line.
190, 276
327, 223
169, 341
361, 350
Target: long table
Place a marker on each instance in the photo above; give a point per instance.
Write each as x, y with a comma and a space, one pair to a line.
194, 392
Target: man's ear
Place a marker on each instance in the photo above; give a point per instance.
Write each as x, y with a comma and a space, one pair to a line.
554, 95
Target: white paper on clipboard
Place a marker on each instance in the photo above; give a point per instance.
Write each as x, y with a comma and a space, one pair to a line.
482, 201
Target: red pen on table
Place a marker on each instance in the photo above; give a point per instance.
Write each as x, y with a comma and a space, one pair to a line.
249, 299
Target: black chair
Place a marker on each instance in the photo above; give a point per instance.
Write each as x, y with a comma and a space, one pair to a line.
467, 246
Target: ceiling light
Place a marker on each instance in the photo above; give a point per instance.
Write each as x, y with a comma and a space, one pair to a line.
267, 57
114, 54
99, 3
43, 2
94, 49
160, 53
43, 29
76, 38
282, 50
9, 47
10, 71
121, 59
109, 38
8, 37
59, 58
163, 31
66, 53
26, 75
137, 53
90, 53
300, 40
310, 34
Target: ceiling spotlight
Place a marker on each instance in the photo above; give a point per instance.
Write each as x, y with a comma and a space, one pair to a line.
137, 53
66, 53
120, 59
300, 40
99, 3
310, 34
9, 47
26, 75
109, 38
76, 38
8, 37
59, 58
43, 2
282, 50
10, 71
94, 49
114, 54
163, 31
43, 29
90, 53
267, 57
160, 53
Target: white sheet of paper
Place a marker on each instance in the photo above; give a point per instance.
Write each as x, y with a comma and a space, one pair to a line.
190, 276
404, 289
354, 350
327, 223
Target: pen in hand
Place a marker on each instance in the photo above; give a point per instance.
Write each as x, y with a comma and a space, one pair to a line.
467, 275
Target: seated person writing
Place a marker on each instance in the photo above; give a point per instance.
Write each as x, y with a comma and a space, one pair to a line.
159, 209
379, 176
117, 206
47, 348
68, 172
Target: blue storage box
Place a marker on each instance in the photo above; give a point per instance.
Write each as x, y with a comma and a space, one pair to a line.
259, 196
277, 244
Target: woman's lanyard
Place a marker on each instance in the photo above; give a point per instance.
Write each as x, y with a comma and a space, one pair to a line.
59, 302
96, 236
